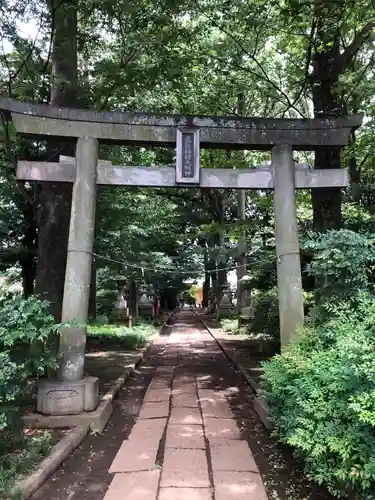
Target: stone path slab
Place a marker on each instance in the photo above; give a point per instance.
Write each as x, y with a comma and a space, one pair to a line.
221, 429
157, 395
186, 400
185, 494
135, 456
148, 429
185, 416
154, 410
238, 486
185, 436
185, 468
137, 485
185, 443
232, 456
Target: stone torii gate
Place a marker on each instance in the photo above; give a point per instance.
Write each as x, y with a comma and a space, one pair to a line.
71, 393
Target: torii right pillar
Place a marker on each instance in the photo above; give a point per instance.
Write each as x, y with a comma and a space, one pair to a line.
289, 278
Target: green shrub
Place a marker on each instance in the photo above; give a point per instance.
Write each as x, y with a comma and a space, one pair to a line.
321, 396
263, 271
266, 313
121, 336
25, 329
229, 325
101, 320
341, 263
105, 300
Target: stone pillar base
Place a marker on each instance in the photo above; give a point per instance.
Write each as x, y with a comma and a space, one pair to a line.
67, 398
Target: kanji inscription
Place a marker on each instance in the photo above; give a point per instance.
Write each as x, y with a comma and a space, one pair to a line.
188, 167
187, 164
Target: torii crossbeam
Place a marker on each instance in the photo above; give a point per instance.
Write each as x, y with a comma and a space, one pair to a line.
166, 177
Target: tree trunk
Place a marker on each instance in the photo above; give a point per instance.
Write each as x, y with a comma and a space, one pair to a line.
242, 259
330, 61
222, 273
133, 298
55, 199
212, 265
222, 261
326, 202
206, 290
326, 65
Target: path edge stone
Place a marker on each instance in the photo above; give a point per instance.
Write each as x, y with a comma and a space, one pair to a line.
97, 419
259, 404
28, 485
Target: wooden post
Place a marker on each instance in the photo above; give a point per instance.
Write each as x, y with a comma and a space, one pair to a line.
287, 245
79, 261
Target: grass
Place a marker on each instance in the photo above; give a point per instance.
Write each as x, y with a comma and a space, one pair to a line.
20, 454
230, 326
121, 336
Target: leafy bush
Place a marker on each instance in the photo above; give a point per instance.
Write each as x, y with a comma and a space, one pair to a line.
228, 314
341, 262
266, 313
229, 325
321, 396
100, 320
263, 271
105, 300
25, 329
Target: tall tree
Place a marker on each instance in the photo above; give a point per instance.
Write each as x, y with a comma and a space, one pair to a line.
333, 56
55, 199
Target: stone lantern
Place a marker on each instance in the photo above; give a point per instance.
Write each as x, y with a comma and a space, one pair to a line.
246, 313
225, 305
146, 301
120, 313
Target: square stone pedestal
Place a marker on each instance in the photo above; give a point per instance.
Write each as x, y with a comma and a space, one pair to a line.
147, 310
67, 398
225, 310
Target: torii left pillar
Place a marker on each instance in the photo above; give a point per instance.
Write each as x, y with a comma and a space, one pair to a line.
72, 393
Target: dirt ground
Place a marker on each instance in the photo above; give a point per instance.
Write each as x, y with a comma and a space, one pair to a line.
107, 365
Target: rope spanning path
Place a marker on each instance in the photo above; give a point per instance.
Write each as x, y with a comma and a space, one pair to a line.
162, 269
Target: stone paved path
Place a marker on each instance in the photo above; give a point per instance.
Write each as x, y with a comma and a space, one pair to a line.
185, 444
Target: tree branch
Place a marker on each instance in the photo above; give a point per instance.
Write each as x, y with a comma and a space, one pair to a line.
263, 74
363, 36
307, 65
363, 72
